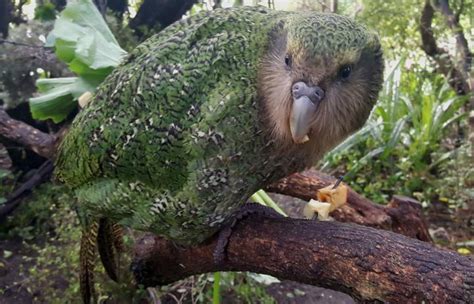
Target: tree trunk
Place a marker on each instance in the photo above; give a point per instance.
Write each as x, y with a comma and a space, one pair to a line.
159, 12
457, 71
368, 264
6, 12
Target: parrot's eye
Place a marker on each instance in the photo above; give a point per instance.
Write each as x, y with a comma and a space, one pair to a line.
345, 71
288, 60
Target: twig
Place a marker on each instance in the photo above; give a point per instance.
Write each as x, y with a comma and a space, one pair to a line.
5, 160
21, 44
13, 201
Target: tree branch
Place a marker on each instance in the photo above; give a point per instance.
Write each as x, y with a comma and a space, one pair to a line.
42, 174
217, 4
5, 160
402, 215
440, 56
457, 78
21, 44
461, 42
460, 10
41, 143
370, 265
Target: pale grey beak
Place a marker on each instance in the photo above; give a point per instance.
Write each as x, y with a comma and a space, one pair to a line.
305, 103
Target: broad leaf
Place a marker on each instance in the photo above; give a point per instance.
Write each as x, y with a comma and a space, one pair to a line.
59, 98
82, 39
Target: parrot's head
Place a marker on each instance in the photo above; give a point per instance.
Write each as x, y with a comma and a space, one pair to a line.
319, 79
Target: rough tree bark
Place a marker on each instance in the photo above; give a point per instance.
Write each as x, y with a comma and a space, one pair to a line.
5, 160
42, 143
370, 265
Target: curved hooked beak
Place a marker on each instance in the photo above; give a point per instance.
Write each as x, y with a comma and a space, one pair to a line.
305, 103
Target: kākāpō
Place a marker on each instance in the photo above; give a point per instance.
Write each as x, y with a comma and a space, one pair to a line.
208, 111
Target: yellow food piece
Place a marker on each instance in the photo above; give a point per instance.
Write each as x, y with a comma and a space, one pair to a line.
328, 200
464, 251
314, 207
336, 197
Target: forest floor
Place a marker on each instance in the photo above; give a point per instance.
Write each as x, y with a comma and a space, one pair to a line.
449, 228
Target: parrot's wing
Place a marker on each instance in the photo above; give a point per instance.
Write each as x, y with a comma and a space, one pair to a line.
142, 121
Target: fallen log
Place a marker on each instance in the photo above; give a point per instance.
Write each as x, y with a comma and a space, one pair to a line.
402, 215
370, 265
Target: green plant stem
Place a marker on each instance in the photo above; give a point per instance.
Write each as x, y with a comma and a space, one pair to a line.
216, 292
262, 197
270, 202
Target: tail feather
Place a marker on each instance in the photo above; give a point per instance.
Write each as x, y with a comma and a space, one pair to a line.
87, 260
110, 245
117, 232
107, 238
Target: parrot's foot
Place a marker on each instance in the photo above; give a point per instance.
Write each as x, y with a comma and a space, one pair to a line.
225, 233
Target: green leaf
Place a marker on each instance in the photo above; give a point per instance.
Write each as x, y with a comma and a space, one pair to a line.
394, 137
86, 46
85, 13
83, 40
356, 138
4, 173
263, 278
81, 34
59, 97
466, 243
45, 12
268, 201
